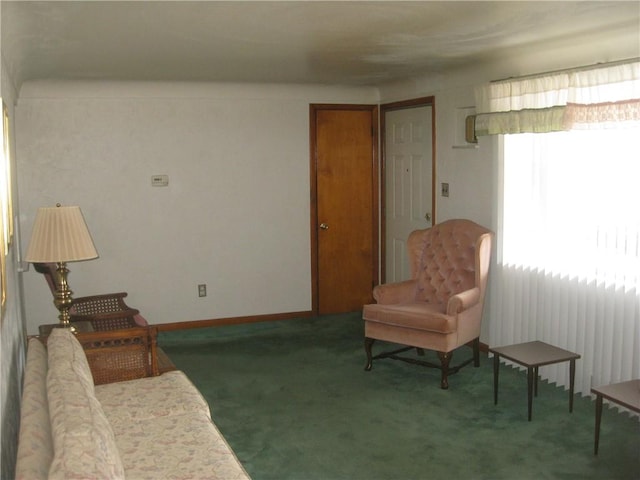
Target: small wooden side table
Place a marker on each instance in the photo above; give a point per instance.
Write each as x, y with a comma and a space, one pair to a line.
533, 355
626, 394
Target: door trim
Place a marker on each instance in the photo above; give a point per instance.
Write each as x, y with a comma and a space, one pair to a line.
313, 166
387, 107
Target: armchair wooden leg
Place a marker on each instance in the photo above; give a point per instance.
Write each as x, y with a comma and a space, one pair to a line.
420, 351
368, 343
445, 358
476, 352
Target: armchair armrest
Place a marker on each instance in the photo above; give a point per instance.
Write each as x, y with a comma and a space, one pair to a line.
463, 301
400, 292
118, 355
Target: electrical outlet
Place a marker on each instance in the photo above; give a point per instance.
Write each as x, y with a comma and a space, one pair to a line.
445, 189
202, 290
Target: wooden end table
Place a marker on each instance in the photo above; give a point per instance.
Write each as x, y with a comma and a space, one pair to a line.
626, 394
533, 355
83, 326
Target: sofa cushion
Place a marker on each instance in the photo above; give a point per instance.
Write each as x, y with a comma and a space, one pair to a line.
35, 445
187, 446
415, 315
171, 393
84, 444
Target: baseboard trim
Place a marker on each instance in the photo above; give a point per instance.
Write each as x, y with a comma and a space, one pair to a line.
219, 322
272, 317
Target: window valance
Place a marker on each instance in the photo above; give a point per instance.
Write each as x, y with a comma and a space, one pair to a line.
581, 98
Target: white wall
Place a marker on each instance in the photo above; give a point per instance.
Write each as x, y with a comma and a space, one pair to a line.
235, 215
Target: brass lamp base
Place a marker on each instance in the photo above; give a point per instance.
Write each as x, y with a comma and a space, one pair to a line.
62, 299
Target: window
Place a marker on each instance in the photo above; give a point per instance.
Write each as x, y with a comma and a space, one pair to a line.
568, 268
568, 256
572, 204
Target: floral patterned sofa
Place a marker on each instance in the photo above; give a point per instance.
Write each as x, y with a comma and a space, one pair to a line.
154, 427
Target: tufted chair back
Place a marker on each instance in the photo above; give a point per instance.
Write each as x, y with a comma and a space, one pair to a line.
443, 259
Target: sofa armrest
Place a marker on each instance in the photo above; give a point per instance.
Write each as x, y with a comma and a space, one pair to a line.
391, 293
35, 443
463, 301
119, 355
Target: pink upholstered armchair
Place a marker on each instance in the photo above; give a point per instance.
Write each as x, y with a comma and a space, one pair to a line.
440, 308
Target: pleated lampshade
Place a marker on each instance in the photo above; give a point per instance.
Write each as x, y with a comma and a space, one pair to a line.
60, 234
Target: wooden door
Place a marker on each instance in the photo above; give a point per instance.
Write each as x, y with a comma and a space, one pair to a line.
344, 206
408, 200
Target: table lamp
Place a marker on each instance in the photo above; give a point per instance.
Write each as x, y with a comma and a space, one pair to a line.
60, 235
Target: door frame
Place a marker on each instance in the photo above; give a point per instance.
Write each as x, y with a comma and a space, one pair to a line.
375, 178
429, 101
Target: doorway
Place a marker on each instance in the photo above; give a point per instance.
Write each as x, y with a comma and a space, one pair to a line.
344, 206
408, 179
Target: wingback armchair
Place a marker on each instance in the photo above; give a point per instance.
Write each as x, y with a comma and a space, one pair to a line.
440, 307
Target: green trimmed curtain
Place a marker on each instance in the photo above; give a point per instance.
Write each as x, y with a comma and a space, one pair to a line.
586, 98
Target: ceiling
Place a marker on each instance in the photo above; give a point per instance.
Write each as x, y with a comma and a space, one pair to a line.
336, 42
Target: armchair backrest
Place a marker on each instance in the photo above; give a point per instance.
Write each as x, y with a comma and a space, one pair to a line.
449, 258
49, 272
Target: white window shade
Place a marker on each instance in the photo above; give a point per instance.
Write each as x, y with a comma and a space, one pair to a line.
568, 261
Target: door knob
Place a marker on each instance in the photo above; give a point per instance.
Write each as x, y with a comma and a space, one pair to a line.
324, 226
427, 217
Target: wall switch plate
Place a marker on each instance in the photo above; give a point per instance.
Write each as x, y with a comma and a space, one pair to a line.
202, 290
160, 180
445, 189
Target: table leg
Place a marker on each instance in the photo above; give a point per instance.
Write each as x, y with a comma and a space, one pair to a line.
530, 383
535, 381
496, 368
572, 378
598, 418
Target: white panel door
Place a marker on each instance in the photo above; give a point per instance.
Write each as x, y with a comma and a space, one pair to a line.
408, 183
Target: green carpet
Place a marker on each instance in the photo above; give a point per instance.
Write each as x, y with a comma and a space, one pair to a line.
294, 402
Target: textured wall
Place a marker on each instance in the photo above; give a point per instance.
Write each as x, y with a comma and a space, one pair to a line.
235, 215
